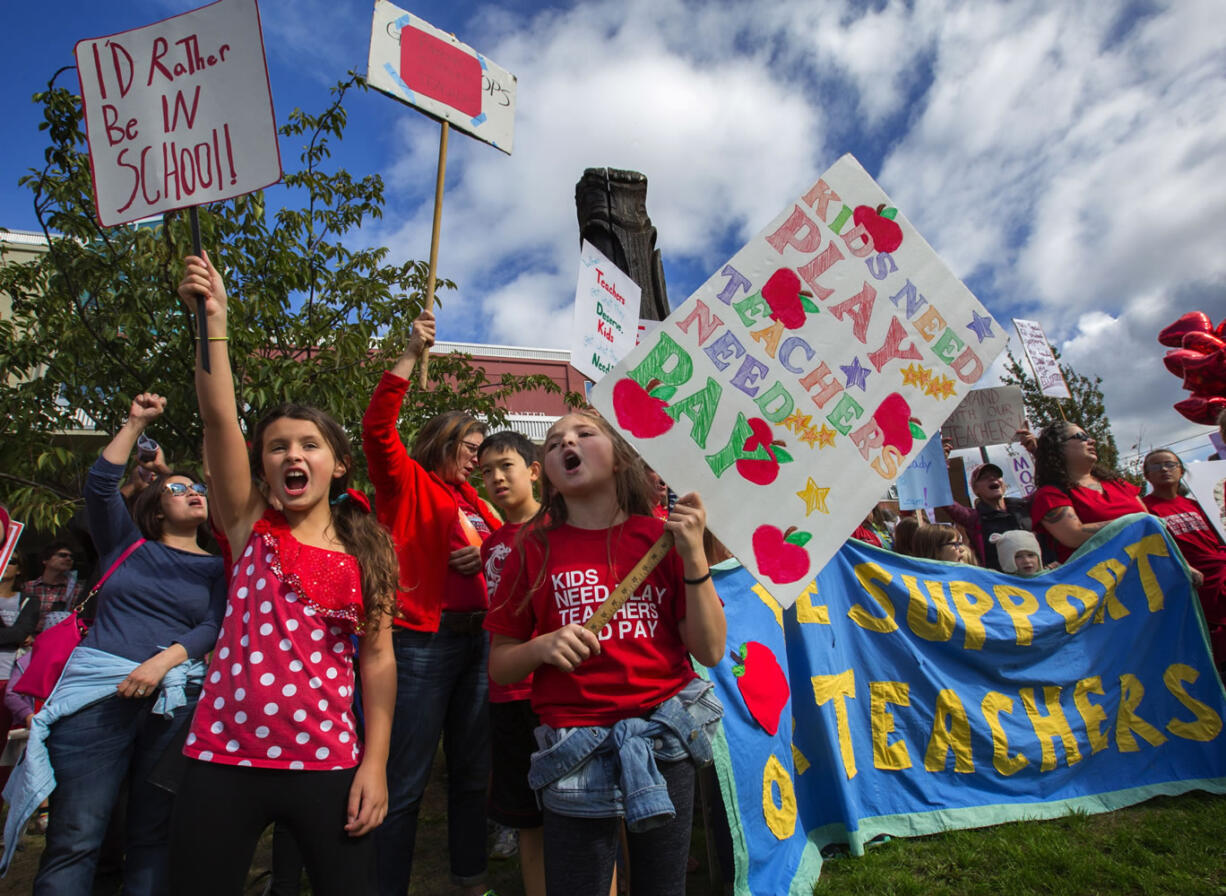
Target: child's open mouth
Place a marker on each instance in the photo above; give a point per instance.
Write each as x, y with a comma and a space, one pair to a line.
570, 461
295, 482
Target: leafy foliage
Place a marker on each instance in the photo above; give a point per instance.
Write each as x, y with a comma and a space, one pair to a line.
1087, 408
315, 315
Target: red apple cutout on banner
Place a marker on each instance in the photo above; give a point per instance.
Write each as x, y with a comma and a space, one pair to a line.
881, 226
641, 412
781, 556
762, 684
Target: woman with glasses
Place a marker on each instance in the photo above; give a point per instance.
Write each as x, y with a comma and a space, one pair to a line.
948, 543
133, 681
1076, 495
438, 523
1196, 537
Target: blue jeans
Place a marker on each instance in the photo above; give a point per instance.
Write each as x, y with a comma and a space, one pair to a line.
441, 690
93, 751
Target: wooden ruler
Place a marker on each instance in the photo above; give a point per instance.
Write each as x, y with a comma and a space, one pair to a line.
626, 587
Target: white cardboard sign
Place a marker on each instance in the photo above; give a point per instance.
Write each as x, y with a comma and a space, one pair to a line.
414, 62
1042, 361
178, 113
986, 417
1207, 480
796, 384
606, 314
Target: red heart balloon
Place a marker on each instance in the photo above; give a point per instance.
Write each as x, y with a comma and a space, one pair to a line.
1206, 383
1221, 330
1176, 360
1200, 409
1203, 362
1205, 343
1192, 322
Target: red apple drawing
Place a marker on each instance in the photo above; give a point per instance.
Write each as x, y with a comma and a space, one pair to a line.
1192, 322
762, 684
641, 412
781, 556
899, 428
881, 226
788, 303
762, 471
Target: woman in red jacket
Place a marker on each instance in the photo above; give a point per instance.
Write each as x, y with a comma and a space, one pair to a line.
438, 523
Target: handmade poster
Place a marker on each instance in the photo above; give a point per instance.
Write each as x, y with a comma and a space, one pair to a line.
906, 697
925, 482
1015, 464
414, 62
10, 542
986, 417
1207, 480
606, 314
178, 113
796, 384
1042, 361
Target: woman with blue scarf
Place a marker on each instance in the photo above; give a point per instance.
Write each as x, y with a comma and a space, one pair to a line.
131, 684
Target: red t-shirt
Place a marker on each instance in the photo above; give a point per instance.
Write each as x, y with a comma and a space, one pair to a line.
1118, 498
494, 553
1201, 547
642, 661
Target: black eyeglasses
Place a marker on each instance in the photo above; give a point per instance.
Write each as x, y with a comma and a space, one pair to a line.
1079, 436
178, 489
472, 449
1163, 465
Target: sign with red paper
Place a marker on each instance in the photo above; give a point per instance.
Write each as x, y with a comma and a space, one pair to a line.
178, 113
416, 63
797, 383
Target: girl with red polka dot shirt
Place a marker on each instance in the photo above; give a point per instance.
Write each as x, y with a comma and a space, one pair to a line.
275, 736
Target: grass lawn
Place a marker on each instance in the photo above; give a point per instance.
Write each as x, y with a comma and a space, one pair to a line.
1169, 845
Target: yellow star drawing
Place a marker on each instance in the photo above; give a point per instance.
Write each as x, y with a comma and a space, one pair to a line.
947, 387
825, 437
933, 387
798, 422
911, 375
809, 436
922, 376
814, 497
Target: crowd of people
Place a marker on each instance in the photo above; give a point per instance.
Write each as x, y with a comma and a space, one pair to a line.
306, 676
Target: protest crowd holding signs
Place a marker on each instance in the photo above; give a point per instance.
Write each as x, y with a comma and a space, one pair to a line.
845, 690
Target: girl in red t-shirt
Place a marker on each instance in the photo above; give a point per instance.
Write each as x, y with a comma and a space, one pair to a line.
594, 524
274, 736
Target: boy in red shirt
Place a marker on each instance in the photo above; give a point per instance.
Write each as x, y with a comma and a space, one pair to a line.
509, 468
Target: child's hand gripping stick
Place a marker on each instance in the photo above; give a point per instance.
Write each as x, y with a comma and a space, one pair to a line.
626, 587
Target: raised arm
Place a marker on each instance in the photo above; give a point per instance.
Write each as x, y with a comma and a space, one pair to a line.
238, 503
704, 628
386, 457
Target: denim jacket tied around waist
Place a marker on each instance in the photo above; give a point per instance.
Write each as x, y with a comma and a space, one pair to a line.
598, 772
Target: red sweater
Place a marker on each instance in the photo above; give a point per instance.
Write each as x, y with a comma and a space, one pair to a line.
415, 505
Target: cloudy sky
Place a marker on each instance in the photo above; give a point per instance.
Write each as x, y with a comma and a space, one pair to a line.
1067, 160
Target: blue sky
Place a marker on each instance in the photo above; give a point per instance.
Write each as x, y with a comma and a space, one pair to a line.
1064, 159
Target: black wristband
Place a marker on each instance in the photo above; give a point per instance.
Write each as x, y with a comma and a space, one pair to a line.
699, 580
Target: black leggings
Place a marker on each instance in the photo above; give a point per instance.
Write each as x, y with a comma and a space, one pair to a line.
580, 852
221, 810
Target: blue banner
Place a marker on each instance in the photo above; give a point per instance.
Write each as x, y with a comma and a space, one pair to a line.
908, 697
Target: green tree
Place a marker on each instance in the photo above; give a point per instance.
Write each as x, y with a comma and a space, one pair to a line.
96, 319
1086, 408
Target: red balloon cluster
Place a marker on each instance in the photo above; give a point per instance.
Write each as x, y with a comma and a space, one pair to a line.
1199, 359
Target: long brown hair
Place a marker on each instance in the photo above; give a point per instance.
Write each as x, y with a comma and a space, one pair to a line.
928, 541
355, 528
147, 508
438, 442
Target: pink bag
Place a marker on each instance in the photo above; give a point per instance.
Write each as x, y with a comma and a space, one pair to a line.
52, 647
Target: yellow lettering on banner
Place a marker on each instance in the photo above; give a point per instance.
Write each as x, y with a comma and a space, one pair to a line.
771, 603
972, 603
1127, 721
1092, 714
1051, 726
1208, 724
807, 611
868, 574
799, 760
951, 730
1019, 610
1108, 574
839, 688
780, 817
994, 703
919, 607
1058, 599
890, 756
1149, 546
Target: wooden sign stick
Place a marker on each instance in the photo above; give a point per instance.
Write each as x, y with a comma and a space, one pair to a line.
202, 325
625, 588
424, 370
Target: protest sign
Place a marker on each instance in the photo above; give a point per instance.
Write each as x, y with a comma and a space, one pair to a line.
1207, 480
1042, 361
606, 314
907, 697
414, 62
796, 384
12, 534
986, 417
178, 113
925, 482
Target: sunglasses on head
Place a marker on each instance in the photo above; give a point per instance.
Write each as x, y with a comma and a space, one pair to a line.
178, 489
1080, 437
